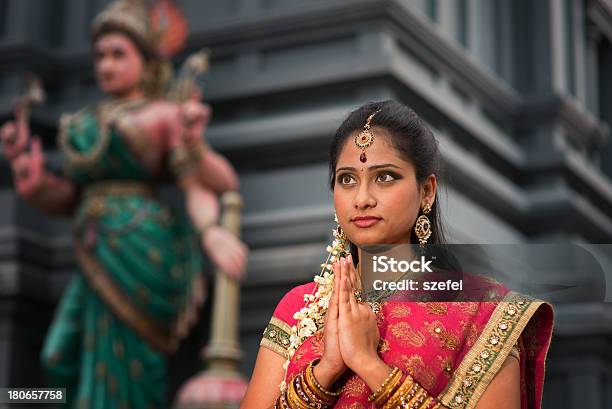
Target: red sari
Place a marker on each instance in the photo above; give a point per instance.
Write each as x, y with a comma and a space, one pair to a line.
453, 349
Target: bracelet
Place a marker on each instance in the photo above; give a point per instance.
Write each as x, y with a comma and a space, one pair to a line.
203, 227
316, 387
389, 392
312, 397
299, 394
293, 398
303, 399
416, 401
406, 391
410, 395
387, 387
181, 162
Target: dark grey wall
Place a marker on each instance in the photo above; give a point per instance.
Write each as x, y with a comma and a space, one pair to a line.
517, 93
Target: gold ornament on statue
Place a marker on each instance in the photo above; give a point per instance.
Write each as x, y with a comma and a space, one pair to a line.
422, 228
131, 16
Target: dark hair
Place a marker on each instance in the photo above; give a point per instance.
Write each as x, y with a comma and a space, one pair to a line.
412, 139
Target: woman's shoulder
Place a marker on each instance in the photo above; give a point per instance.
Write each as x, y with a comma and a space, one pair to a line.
292, 302
276, 335
518, 325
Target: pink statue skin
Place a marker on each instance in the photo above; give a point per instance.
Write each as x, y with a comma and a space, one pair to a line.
119, 69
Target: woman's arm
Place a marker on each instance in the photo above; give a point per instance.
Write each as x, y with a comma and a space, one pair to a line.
504, 391
263, 389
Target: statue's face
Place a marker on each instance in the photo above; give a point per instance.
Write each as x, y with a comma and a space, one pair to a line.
118, 64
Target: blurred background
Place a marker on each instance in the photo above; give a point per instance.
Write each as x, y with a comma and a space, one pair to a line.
519, 93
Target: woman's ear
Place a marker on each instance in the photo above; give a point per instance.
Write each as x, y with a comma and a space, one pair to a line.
428, 190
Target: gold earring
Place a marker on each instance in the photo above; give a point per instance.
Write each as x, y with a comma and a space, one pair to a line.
422, 228
339, 232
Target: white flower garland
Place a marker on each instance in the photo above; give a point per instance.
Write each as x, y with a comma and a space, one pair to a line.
311, 317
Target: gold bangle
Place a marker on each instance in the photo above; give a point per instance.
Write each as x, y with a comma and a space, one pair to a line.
197, 150
403, 400
299, 395
202, 228
301, 387
389, 389
408, 387
375, 395
428, 402
281, 402
318, 402
181, 162
312, 383
418, 398
389, 392
293, 399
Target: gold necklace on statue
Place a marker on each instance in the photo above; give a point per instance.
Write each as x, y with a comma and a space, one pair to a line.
106, 113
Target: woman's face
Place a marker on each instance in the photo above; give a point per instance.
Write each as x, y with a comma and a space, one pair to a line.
118, 64
377, 202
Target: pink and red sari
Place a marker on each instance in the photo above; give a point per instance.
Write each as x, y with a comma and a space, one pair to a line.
453, 349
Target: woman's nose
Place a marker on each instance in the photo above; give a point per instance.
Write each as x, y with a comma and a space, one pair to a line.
364, 198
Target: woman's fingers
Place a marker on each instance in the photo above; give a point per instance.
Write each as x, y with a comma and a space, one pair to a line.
355, 280
349, 274
344, 306
331, 315
352, 300
346, 273
332, 309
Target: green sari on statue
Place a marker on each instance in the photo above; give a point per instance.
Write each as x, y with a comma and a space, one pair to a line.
140, 271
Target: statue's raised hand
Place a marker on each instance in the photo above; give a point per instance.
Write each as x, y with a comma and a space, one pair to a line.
15, 135
196, 116
28, 170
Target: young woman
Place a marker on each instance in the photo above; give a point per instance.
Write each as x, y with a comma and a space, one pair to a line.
141, 264
326, 348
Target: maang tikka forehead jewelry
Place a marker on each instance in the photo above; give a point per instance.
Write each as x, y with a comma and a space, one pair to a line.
365, 138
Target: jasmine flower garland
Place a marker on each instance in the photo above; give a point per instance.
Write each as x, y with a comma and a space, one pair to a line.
311, 317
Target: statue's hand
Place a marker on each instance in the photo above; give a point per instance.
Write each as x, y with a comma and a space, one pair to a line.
28, 170
15, 135
195, 117
227, 252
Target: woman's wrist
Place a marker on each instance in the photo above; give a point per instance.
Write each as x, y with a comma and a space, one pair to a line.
373, 371
325, 374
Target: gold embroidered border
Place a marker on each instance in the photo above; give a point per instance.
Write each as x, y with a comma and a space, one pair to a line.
486, 357
276, 337
157, 336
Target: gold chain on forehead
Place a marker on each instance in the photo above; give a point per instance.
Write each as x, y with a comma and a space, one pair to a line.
365, 138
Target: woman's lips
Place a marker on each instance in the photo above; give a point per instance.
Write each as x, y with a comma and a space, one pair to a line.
365, 222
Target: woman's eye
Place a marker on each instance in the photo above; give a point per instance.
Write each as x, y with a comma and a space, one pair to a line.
346, 179
385, 177
118, 53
